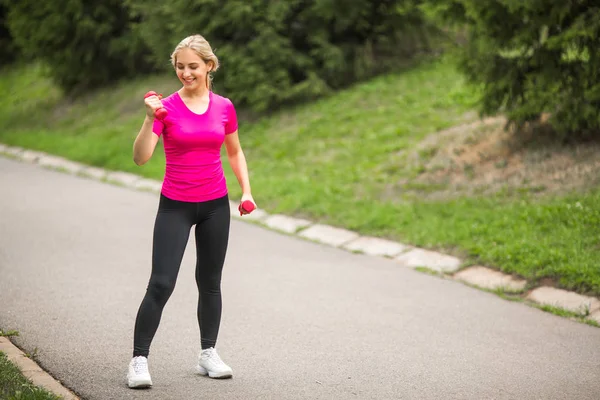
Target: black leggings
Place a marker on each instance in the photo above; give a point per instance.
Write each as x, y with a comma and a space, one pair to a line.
171, 233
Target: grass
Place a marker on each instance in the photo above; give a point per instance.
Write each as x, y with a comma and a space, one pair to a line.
14, 386
429, 271
579, 317
338, 161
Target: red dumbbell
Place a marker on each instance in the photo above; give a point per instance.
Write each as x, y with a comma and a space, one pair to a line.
246, 206
161, 113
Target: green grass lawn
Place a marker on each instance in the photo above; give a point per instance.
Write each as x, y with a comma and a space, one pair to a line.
14, 386
338, 161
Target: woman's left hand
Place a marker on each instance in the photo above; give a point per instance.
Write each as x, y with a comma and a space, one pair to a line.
247, 196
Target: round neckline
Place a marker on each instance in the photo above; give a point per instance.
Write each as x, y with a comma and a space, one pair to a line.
210, 101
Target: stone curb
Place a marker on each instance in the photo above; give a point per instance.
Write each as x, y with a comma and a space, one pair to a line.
490, 279
376, 247
402, 254
595, 316
286, 224
32, 371
429, 259
564, 299
56, 163
328, 234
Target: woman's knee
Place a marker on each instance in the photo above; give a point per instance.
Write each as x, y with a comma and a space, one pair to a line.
161, 288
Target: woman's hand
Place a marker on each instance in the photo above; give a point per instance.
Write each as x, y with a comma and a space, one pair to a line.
153, 103
247, 196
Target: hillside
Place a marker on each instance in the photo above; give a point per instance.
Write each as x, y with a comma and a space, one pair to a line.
402, 156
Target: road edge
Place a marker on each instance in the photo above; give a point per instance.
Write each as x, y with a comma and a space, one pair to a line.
568, 304
32, 371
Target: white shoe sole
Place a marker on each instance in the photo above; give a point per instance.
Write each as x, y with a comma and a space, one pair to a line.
216, 375
139, 384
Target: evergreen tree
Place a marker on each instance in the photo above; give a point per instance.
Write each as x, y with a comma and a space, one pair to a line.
533, 57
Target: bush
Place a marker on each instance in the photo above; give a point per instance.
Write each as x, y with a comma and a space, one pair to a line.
277, 52
8, 50
85, 44
533, 57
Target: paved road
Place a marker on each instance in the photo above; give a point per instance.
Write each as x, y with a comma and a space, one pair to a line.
301, 320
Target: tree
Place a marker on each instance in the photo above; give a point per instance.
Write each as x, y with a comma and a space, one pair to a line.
8, 49
85, 44
277, 52
533, 57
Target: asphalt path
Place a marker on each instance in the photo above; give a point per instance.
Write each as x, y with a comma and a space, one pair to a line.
301, 320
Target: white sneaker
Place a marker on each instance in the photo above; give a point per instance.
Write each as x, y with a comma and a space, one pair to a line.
139, 376
209, 363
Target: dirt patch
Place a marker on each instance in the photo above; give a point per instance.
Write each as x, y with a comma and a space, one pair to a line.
484, 158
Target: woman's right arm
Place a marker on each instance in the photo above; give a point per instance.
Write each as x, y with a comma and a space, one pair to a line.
146, 140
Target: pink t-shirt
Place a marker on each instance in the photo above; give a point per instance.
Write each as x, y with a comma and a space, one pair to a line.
192, 145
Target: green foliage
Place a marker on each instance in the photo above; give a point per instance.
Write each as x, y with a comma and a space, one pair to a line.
8, 50
85, 44
533, 57
283, 52
272, 53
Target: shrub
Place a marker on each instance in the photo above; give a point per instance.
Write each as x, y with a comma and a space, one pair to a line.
8, 49
533, 57
85, 44
277, 52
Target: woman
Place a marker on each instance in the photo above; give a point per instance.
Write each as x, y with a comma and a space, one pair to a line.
194, 192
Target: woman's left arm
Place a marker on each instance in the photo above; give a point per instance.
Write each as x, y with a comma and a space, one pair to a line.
237, 160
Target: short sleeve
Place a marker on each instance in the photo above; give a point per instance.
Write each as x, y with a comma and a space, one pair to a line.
232, 123
158, 127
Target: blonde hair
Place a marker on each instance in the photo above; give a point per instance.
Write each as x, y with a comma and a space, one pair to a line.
202, 48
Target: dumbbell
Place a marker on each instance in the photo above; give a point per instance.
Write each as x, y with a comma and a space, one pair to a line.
246, 206
161, 113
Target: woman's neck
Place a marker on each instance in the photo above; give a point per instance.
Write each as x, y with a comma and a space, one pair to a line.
195, 94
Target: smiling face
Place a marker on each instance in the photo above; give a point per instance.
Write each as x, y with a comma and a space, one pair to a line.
192, 70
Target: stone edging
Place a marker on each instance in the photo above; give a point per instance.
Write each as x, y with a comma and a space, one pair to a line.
33, 372
405, 255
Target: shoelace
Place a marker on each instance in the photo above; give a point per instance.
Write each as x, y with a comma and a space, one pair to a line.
140, 367
214, 358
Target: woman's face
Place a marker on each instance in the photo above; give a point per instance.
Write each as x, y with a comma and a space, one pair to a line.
191, 69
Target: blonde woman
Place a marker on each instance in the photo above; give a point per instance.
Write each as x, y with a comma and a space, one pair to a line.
194, 193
